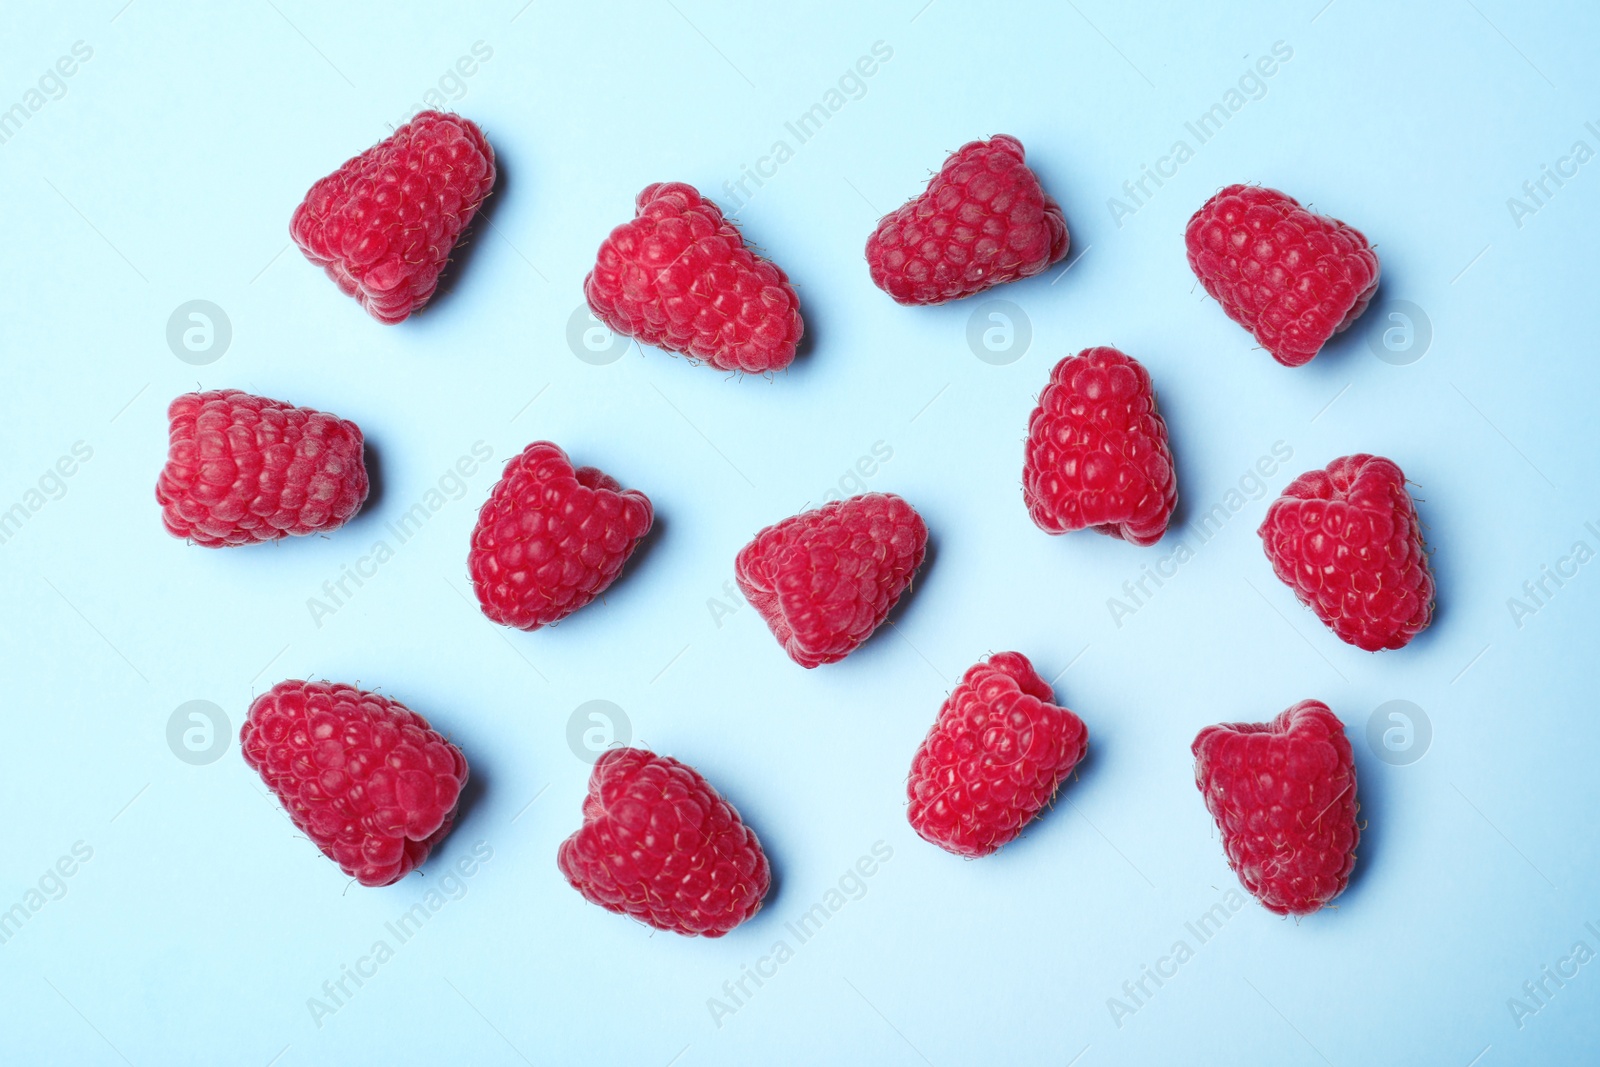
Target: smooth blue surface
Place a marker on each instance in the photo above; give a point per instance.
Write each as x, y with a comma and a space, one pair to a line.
202, 926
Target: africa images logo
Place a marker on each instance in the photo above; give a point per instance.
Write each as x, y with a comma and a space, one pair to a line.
1250, 486
851, 885
1252, 85
52, 85
851, 85
450, 486
452, 883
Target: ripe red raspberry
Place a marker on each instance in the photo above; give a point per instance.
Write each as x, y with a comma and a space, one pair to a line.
1291, 277
659, 844
550, 538
365, 777
243, 469
1347, 540
1284, 797
680, 277
983, 220
825, 579
384, 223
993, 759
1097, 453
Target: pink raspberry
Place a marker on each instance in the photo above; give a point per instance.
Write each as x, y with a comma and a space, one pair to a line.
1347, 540
1283, 794
383, 225
680, 277
365, 777
983, 220
658, 843
1097, 452
994, 758
243, 469
551, 538
825, 579
1291, 277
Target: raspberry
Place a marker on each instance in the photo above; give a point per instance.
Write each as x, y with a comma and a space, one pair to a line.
365, 777
993, 759
243, 469
1347, 540
659, 844
384, 223
679, 277
1291, 277
1284, 797
983, 220
550, 538
1097, 453
825, 579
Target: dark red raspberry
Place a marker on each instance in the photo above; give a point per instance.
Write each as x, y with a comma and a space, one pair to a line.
384, 224
680, 277
243, 469
658, 843
1284, 797
550, 538
1291, 277
1097, 453
1347, 540
983, 220
365, 777
826, 578
994, 758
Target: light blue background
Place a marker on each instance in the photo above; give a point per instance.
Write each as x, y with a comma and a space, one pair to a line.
203, 922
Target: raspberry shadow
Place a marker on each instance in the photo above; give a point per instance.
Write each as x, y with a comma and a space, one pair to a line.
901, 606
1043, 283
1184, 468
1372, 794
636, 561
1058, 811
466, 247
372, 457
471, 797
808, 339
1443, 578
